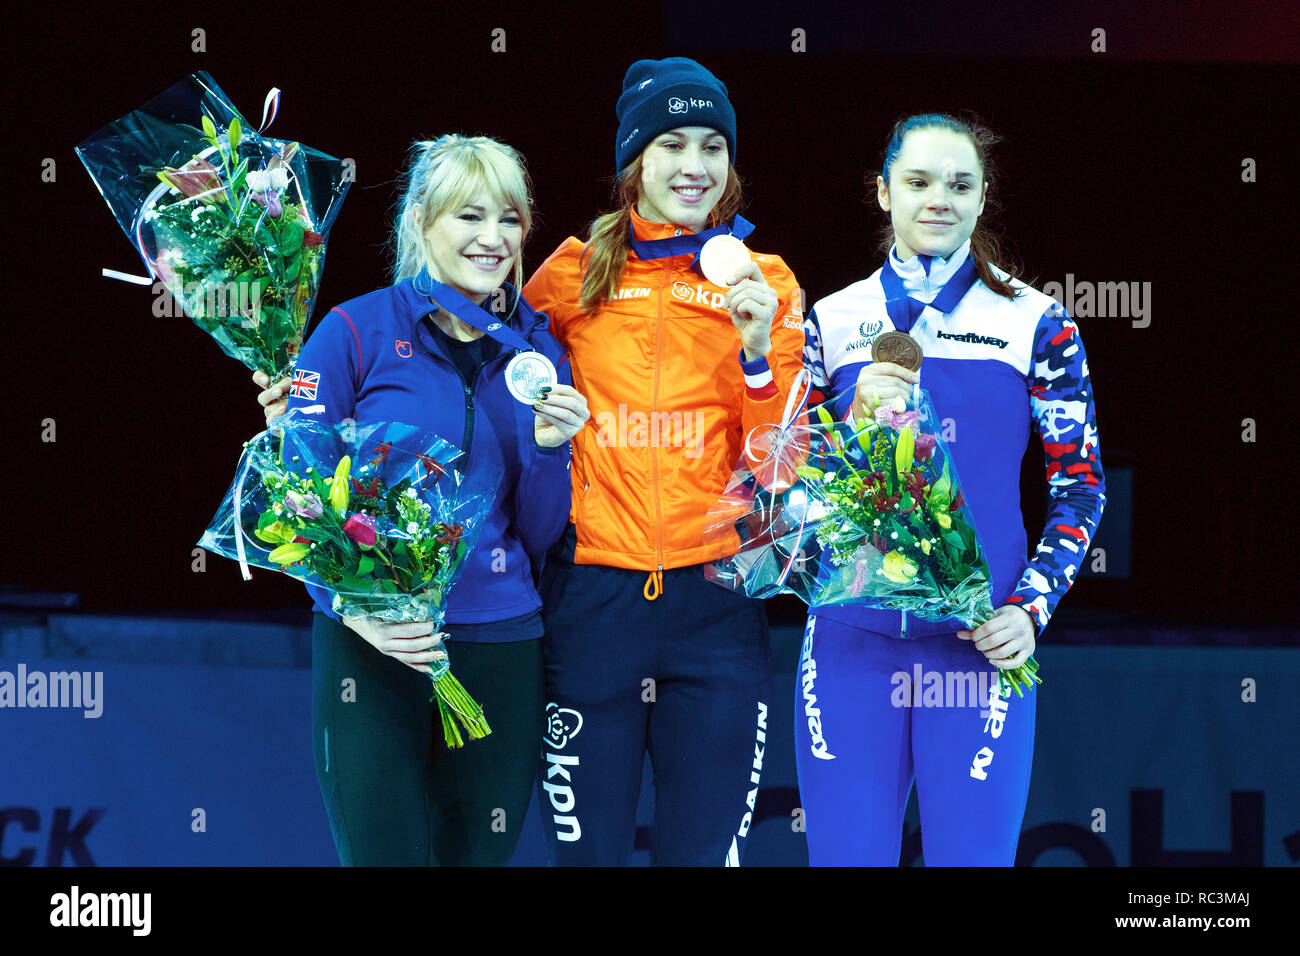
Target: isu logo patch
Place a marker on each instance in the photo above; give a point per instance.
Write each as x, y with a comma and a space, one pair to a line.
403, 348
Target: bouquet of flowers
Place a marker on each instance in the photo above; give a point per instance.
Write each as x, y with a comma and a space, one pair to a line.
372, 512
231, 223
877, 518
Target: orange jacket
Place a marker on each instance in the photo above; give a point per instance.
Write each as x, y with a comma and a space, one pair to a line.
659, 364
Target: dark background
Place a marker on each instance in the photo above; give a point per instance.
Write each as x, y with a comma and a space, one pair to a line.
1122, 166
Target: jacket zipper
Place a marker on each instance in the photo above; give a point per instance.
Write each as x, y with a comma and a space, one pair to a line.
654, 409
468, 438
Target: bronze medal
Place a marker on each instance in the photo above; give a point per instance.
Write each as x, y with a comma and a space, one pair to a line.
898, 348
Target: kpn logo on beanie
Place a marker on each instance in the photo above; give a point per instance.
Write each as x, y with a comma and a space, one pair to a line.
659, 95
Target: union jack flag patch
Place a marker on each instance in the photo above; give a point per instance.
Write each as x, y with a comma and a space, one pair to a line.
304, 384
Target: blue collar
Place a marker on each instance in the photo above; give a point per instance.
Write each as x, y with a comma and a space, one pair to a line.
904, 310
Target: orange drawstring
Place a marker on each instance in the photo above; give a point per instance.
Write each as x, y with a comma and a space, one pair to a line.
657, 579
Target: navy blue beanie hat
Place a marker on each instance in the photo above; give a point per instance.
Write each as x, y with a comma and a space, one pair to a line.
659, 95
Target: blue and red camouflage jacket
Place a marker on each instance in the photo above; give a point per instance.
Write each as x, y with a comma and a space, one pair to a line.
994, 368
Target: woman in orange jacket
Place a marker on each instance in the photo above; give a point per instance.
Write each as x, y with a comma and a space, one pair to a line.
642, 653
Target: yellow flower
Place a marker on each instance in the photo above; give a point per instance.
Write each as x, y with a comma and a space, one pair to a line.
289, 553
340, 494
925, 546
276, 533
944, 521
898, 568
903, 453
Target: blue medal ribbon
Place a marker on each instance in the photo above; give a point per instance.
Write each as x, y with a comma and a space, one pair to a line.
445, 297
691, 244
904, 310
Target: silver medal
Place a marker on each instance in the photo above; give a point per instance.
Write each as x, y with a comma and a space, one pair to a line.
527, 374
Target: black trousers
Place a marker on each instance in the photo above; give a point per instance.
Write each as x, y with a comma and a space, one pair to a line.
683, 678
396, 795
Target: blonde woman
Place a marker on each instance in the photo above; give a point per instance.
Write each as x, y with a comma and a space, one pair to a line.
431, 350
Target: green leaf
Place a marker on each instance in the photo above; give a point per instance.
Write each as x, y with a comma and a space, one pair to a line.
809, 473
365, 565
238, 176
208, 127
290, 238
354, 583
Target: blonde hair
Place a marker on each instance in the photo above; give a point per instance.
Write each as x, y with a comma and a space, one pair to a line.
609, 242
446, 173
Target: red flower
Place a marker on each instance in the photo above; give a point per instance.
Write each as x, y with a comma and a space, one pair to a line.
366, 491
957, 501
923, 447
382, 450
450, 535
431, 465
361, 529
310, 239
916, 484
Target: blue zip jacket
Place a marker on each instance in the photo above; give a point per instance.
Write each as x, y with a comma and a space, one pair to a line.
377, 360
994, 368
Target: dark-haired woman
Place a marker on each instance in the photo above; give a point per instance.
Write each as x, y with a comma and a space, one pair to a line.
886, 699
643, 654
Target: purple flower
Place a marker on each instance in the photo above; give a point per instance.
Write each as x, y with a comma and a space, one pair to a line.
923, 447
896, 420
304, 506
270, 200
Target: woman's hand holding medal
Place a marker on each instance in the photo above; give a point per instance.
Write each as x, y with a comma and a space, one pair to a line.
561, 412
725, 261
752, 303
879, 384
894, 372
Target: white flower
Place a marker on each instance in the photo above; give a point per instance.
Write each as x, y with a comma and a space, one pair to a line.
876, 522
410, 492
899, 405
893, 534
412, 528
279, 177
828, 476
259, 180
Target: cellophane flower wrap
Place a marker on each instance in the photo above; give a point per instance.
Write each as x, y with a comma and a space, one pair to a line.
876, 516
232, 223
374, 512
